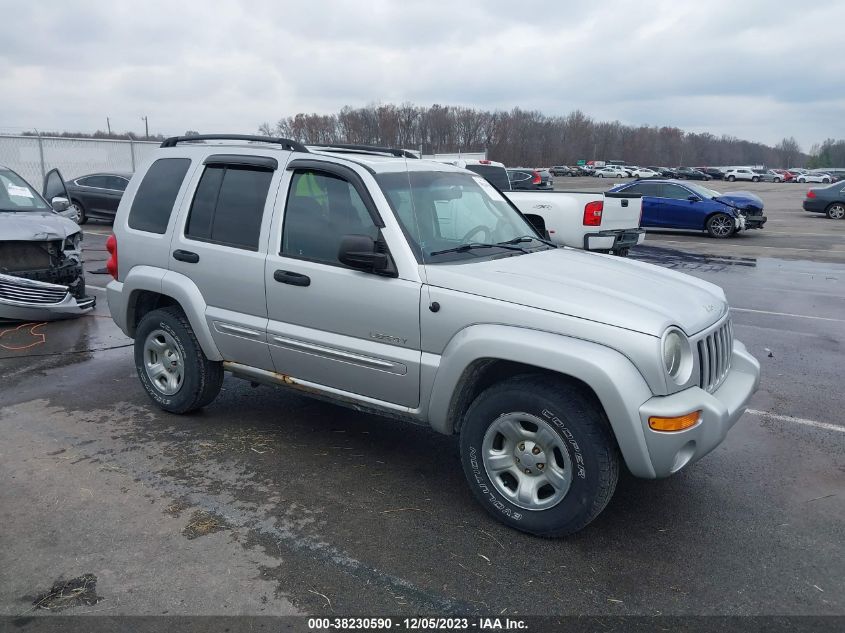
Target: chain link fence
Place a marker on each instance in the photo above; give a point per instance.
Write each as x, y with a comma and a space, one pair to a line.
34, 156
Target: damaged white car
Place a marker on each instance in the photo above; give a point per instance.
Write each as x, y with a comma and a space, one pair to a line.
41, 275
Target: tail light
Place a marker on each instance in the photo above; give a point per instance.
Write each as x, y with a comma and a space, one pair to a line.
536, 180
592, 213
811, 194
111, 247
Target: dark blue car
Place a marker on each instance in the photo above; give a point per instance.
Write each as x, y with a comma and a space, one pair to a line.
669, 204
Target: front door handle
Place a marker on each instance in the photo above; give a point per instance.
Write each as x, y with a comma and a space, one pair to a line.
294, 279
186, 256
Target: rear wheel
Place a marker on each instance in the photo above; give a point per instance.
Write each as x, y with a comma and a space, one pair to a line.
836, 211
171, 365
539, 455
826, 180
778, 180
755, 179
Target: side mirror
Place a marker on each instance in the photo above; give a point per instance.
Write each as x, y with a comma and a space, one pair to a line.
694, 199
360, 252
60, 204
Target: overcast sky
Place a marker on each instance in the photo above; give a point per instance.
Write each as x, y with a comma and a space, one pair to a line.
759, 70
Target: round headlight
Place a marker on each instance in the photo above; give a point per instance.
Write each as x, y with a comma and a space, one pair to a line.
677, 357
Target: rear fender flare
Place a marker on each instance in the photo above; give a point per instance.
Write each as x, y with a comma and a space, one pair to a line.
179, 288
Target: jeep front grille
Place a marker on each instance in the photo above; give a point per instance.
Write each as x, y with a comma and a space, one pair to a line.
30, 292
714, 356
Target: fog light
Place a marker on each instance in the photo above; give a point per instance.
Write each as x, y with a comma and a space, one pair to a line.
674, 424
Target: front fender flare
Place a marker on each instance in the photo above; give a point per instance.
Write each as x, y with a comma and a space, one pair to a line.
617, 383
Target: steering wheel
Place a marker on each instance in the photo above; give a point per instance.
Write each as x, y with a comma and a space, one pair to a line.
488, 233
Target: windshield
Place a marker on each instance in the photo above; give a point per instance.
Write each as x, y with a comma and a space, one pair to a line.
443, 210
703, 192
17, 195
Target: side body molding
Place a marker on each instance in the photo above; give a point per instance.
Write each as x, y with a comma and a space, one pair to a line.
617, 383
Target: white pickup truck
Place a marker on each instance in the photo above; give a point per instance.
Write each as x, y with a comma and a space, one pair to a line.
590, 220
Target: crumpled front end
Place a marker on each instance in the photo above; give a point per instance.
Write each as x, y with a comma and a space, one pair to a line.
748, 205
42, 280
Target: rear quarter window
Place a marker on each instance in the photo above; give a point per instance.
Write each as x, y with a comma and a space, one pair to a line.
156, 195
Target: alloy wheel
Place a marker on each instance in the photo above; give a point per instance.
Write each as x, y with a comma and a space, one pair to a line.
163, 363
527, 461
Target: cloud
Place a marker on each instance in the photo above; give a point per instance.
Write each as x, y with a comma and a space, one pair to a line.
748, 69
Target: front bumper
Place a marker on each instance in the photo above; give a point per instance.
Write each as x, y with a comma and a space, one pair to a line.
613, 240
24, 299
754, 221
670, 452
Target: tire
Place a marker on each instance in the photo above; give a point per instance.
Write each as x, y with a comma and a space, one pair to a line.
584, 457
600, 175
80, 212
717, 226
164, 338
731, 178
755, 179
836, 211
826, 181
778, 180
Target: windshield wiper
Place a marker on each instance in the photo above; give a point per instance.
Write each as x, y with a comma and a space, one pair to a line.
463, 248
528, 238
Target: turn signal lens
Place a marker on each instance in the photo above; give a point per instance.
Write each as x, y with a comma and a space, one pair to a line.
674, 424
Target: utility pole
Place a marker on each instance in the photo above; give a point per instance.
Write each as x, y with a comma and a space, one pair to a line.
146, 127
108, 125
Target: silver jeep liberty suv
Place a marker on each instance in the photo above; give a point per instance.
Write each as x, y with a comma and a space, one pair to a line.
414, 289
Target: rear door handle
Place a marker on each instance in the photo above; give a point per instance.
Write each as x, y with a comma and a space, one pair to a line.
294, 279
186, 256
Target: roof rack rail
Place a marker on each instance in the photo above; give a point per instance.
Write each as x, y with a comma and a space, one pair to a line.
373, 149
286, 143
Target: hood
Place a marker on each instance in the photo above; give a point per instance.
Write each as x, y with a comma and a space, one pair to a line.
604, 288
35, 226
741, 200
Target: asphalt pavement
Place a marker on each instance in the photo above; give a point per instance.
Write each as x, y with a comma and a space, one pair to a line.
267, 502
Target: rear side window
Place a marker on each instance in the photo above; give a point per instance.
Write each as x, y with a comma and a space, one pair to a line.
157, 193
228, 206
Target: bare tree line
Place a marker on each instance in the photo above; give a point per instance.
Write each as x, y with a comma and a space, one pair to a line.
527, 137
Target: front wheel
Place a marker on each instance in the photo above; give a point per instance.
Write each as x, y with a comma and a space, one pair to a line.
539, 455
601, 175
778, 180
836, 211
171, 365
731, 178
720, 225
755, 179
